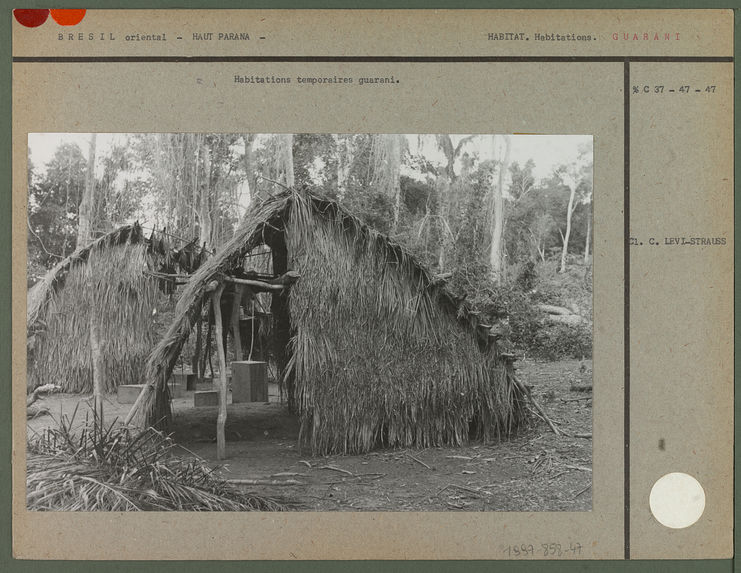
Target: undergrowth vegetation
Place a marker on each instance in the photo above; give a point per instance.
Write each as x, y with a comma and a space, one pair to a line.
92, 467
513, 308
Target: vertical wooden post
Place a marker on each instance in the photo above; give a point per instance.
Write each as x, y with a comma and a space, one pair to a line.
97, 370
236, 305
221, 418
196, 361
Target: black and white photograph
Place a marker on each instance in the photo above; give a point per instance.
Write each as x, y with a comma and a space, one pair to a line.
309, 322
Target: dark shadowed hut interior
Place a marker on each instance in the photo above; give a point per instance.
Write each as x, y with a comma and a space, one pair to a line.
372, 350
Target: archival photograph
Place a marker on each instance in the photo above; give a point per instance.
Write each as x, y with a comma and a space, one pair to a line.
309, 322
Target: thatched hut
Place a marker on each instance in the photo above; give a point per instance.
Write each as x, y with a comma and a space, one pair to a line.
105, 281
373, 350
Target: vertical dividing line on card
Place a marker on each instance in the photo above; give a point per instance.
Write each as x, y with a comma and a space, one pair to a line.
626, 308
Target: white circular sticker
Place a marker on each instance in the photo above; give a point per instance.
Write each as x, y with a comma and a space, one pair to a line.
677, 500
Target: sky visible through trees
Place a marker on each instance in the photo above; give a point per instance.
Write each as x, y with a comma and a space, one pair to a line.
483, 205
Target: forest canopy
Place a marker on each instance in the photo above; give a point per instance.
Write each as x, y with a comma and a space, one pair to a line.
504, 219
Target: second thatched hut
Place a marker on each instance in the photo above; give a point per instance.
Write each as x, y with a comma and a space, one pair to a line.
106, 283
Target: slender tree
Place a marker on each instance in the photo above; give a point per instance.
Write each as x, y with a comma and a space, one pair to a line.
84, 236
287, 159
87, 205
250, 168
588, 233
573, 176
587, 200
53, 201
567, 235
495, 253
539, 229
386, 152
445, 179
345, 158
204, 211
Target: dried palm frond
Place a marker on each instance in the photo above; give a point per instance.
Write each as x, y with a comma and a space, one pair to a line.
91, 468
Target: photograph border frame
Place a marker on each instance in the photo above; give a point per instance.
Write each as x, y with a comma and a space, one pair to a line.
5, 314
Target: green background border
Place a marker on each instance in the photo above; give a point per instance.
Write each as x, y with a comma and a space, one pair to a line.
6, 561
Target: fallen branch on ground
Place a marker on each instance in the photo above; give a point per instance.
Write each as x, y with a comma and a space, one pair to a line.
361, 477
550, 309
265, 482
526, 390
580, 468
457, 506
582, 491
45, 389
335, 469
460, 487
580, 388
419, 461
543, 416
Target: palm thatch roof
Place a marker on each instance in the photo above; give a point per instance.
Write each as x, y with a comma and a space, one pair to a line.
378, 352
104, 281
40, 294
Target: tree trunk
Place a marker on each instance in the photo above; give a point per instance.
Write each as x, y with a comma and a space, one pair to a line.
445, 144
84, 236
287, 152
207, 348
442, 185
87, 205
196, 360
589, 232
344, 162
221, 418
194, 181
386, 154
569, 212
237, 336
443, 189
204, 216
66, 196
96, 355
395, 168
495, 255
250, 167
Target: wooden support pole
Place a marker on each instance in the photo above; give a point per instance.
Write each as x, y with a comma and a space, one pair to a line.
257, 285
207, 349
236, 305
96, 357
221, 418
196, 361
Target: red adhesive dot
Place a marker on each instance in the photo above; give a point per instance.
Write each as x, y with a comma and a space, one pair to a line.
67, 17
30, 18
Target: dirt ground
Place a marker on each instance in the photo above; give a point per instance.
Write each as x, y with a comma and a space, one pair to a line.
536, 470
